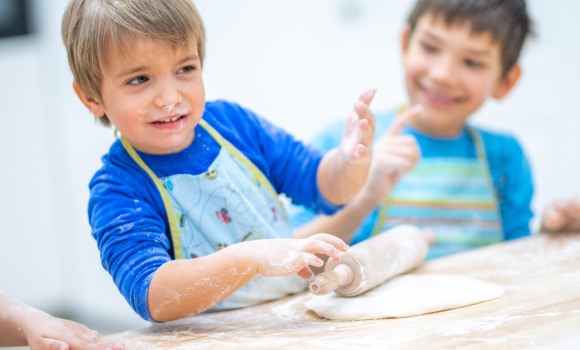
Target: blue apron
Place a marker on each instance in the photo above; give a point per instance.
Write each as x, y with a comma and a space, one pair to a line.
231, 203
455, 197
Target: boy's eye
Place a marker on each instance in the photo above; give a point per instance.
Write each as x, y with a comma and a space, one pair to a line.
473, 64
138, 80
428, 48
186, 69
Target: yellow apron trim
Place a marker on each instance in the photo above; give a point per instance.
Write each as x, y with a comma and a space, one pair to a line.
177, 251
243, 160
481, 155
382, 216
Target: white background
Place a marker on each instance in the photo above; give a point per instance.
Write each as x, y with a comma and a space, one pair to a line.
299, 63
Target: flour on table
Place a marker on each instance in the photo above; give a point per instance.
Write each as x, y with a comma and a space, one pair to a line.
404, 296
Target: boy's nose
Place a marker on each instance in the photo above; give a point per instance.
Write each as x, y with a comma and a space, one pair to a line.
443, 71
167, 95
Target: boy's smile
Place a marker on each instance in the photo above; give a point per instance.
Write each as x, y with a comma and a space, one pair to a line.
451, 71
153, 94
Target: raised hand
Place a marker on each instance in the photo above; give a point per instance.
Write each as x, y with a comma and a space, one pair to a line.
563, 216
359, 130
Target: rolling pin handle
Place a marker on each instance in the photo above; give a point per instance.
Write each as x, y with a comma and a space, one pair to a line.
327, 282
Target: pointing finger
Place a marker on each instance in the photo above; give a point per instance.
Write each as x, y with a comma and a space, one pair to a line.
403, 119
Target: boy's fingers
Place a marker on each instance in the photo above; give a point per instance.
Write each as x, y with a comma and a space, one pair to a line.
305, 273
403, 119
553, 219
333, 240
304, 259
313, 246
572, 206
364, 113
367, 96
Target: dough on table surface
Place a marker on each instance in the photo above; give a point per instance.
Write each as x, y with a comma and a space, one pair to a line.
404, 296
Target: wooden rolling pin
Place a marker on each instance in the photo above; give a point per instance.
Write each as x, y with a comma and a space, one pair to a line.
372, 262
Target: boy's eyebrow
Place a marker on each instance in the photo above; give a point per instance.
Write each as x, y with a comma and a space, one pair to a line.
477, 52
188, 58
432, 35
132, 70
480, 52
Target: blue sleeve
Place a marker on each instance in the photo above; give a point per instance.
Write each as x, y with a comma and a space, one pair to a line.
512, 178
130, 233
327, 140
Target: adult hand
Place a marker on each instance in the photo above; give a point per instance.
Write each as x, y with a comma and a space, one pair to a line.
44, 332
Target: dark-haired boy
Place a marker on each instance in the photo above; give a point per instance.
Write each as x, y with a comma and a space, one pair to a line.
473, 187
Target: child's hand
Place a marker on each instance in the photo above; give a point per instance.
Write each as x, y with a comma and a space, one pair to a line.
359, 130
563, 216
44, 332
283, 257
394, 155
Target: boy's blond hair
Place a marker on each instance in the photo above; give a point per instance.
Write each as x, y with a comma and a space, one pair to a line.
89, 26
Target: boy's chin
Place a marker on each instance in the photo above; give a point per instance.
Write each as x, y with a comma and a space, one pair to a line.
440, 124
164, 145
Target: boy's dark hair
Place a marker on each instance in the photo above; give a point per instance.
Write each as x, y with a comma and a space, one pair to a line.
506, 20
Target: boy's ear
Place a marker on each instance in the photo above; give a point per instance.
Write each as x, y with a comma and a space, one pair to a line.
508, 82
405, 36
91, 103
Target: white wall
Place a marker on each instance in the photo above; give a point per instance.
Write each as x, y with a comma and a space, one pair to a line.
300, 63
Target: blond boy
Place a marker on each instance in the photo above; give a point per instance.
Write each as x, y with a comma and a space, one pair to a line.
185, 209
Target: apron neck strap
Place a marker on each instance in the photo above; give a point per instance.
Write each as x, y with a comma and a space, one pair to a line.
171, 219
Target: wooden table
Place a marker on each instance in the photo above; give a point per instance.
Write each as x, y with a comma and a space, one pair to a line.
540, 309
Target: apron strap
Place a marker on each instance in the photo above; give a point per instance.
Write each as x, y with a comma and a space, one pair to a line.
482, 155
177, 251
243, 160
175, 236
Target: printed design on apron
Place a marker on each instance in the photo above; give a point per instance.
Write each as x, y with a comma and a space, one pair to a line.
231, 202
455, 197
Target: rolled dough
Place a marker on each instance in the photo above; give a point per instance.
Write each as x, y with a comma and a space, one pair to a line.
404, 296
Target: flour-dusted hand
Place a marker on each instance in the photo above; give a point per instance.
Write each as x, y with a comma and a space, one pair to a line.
359, 130
394, 155
22, 325
563, 216
283, 257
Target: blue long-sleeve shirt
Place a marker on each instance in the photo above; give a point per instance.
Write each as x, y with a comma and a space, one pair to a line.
509, 168
127, 214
